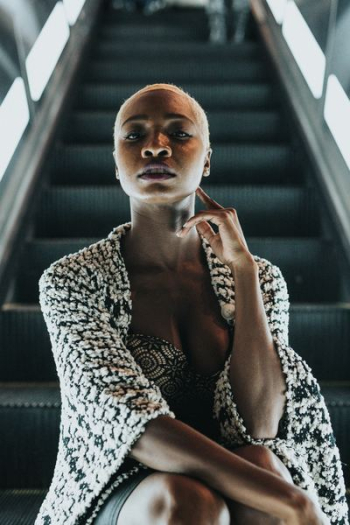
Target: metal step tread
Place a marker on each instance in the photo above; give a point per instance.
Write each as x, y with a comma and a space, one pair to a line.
252, 163
179, 71
225, 126
178, 48
110, 95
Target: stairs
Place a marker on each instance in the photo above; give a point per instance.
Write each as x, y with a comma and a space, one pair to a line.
256, 167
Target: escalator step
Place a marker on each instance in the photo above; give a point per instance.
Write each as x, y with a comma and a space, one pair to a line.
170, 15
31, 440
317, 332
25, 345
243, 163
20, 506
94, 211
311, 264
31, 415
225, 126
140, 32
172, 50
134, 70
102, 96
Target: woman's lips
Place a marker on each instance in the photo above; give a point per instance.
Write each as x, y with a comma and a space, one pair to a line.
156, 176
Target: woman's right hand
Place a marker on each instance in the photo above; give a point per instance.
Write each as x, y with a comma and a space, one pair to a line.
306, 511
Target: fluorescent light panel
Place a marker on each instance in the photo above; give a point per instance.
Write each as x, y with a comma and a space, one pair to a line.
305, 49
72, 9
46, 51
278, 8
337, 116
14, 117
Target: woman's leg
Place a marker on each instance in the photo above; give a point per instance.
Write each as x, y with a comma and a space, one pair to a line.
109, 512
239, 16
216, 11
164, 498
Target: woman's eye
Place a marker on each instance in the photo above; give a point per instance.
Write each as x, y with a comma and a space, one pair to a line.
184, 132
131, 135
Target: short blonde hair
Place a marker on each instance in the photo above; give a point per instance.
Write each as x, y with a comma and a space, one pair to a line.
197, 108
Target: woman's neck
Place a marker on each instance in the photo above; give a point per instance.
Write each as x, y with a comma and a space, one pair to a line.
149, 243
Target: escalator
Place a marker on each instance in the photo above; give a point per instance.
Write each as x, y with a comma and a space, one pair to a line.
258, 166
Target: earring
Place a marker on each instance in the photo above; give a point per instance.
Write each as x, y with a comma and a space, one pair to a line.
116, 174
206, 173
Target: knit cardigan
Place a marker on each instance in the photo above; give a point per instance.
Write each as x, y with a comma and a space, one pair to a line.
107, 401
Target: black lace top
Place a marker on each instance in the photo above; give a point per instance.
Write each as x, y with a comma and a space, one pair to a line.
189, 393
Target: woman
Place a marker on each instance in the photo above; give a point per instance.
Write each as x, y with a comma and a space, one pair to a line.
148, 7
228, 20
143, 326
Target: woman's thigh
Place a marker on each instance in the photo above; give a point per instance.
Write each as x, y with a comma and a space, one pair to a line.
109, 512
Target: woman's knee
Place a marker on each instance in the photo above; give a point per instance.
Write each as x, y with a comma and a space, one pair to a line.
168, 498
191, 501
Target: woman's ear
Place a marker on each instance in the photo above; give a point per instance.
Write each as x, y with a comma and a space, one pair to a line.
206, 170
116, 168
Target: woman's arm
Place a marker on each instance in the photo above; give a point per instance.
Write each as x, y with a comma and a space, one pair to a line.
169, 445
256, 376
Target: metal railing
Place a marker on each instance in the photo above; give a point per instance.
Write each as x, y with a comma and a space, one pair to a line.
38, 104
309, 43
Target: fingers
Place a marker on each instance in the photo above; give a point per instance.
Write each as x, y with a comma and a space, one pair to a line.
209, 215
210, 203
206, 230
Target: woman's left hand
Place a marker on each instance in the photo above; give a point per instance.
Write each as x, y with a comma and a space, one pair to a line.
229, 244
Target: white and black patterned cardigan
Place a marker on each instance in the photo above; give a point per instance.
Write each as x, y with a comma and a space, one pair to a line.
107, 400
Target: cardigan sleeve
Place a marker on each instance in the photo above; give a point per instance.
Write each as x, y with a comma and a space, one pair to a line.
276, 303
105, 397
305, 441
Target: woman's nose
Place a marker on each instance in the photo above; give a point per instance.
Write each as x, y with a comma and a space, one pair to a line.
155, 147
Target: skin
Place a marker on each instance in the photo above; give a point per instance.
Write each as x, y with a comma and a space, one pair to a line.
159, 209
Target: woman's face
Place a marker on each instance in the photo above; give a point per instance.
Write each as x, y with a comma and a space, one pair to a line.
177, 141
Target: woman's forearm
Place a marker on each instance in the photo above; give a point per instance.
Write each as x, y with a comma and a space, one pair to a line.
169, 445
257, 381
